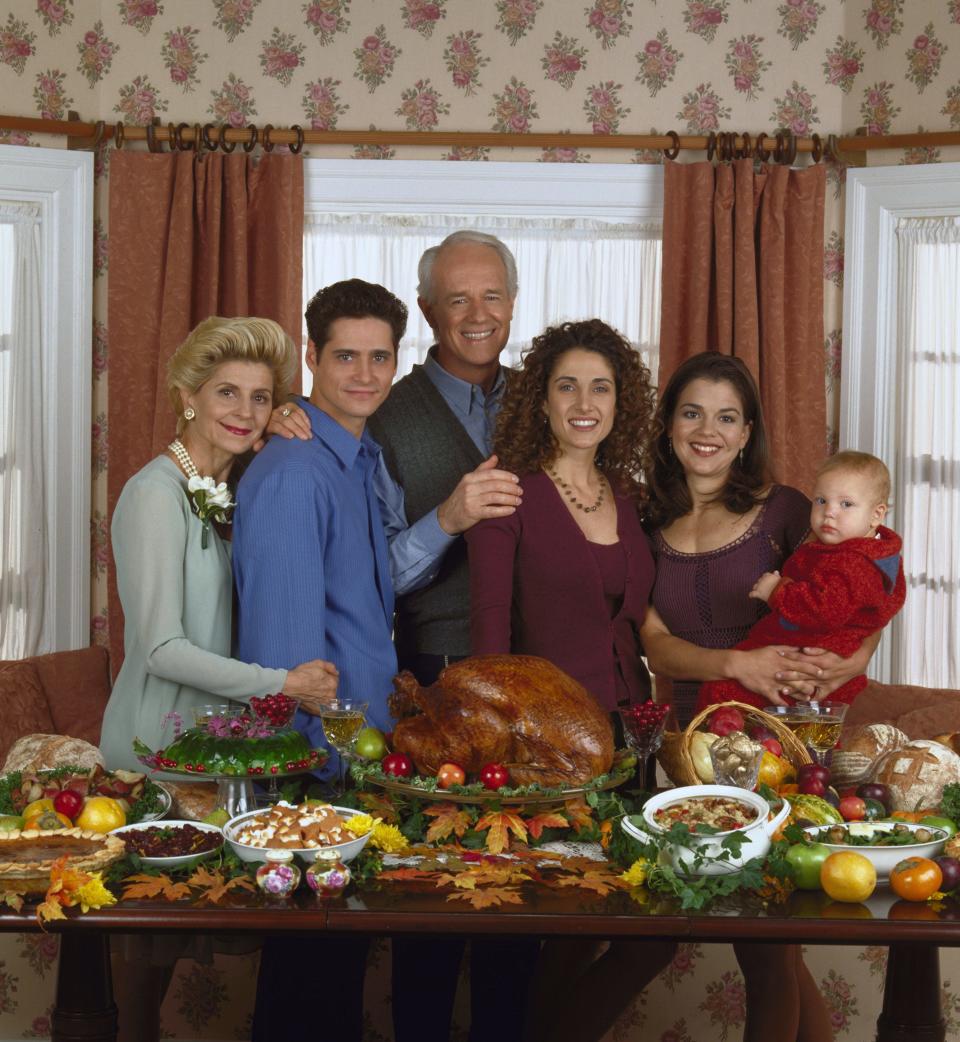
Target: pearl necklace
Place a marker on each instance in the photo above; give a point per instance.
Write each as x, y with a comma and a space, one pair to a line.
568, 492
183, 458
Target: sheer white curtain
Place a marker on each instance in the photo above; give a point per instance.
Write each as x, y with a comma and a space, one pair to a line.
926, 494
23, 532
570, 268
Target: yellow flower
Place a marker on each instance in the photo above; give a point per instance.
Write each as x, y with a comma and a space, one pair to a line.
93, 894
360, 824
388, 838
636, 874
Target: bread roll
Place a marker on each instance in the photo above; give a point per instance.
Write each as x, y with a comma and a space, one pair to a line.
854, 762
43, 752
917, 773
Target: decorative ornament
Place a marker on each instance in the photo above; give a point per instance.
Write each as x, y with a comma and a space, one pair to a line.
189, 413
209, 499
328, 875
279, 877
568, 492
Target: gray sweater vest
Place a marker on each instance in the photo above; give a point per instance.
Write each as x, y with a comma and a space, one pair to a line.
427, 451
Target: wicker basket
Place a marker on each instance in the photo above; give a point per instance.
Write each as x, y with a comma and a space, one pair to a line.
674, 753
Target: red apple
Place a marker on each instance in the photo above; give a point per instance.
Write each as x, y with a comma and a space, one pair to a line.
450, 774
760, 732
397, 765
773, 746
494, 776
68, 802
812, 787
814, 770
726, 720
852, 808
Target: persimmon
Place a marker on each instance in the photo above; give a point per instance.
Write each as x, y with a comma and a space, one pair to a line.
915, 878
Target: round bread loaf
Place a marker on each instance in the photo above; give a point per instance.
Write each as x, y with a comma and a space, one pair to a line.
854, 762
43, 752
917, 773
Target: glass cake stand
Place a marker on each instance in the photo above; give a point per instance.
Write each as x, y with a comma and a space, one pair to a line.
236, 794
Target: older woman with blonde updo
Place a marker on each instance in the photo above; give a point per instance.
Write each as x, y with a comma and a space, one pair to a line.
173, 564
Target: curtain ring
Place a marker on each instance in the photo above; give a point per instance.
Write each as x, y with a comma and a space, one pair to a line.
249, 146
724, 148
118, 135
746, 150
779, 149
833, 149
790, 148
817, 151
265, 143
674, 150
297, 147
222, 128
759, 151
94, 143
152, 142
203, 135
711, 146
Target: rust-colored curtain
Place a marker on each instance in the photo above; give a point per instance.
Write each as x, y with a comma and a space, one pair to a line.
189, 238
743, 274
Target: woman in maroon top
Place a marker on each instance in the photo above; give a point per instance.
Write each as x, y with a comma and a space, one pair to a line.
568, 575
718, 524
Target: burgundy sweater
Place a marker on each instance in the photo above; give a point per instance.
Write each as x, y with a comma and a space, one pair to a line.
536, 589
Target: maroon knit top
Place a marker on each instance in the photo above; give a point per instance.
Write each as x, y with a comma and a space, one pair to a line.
703, 598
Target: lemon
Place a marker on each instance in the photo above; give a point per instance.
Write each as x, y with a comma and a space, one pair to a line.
848, 876
37, 807
101, 814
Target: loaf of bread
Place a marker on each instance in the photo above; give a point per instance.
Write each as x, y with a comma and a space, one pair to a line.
43, 752
917, 773
192, 801
854, 762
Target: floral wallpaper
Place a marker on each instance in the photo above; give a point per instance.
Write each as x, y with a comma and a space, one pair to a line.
585, 66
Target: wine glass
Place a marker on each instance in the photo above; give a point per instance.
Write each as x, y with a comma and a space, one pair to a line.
820, 729
342, 721
643, 726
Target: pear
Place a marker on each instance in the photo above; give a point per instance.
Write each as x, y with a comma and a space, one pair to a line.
9, 822
218, 817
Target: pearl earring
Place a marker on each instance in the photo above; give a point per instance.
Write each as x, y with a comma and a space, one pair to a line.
189, 413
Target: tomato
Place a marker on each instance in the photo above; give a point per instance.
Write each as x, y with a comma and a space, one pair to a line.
450, 774
915, 878
805, 860
848, 876
68, 802
397, 765
938, 822
494, 776
852, 808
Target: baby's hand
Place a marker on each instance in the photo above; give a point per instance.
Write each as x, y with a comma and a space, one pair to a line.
765, 585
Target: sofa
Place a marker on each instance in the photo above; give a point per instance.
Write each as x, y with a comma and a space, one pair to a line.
63, 693
920, 712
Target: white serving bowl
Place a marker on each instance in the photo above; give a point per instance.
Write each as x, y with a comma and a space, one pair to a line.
757, 832
180, 859
884, 858
346, 851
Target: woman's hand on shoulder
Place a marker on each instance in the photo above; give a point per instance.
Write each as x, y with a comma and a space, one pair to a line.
290, 421
314, 684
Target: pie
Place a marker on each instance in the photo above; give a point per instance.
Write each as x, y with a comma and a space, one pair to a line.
27, 855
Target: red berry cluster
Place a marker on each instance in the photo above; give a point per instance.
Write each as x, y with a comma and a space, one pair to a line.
276, 709
645, 719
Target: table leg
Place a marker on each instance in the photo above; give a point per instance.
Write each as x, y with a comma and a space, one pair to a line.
911, 996
84, 1010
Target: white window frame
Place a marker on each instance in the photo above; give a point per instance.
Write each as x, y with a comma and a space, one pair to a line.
60, 183
876, 198
605, 191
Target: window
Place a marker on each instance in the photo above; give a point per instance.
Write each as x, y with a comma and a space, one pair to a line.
900, 390
586, 238
46, 275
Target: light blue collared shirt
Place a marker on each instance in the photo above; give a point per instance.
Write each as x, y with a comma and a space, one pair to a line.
416, 550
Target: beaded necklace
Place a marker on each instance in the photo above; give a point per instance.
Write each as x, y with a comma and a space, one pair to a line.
568, 492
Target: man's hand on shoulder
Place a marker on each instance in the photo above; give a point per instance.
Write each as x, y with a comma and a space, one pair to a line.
484, 492
289, 421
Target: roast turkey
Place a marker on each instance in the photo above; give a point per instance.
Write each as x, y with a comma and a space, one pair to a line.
517, 710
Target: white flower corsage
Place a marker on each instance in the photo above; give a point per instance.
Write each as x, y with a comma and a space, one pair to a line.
210, 501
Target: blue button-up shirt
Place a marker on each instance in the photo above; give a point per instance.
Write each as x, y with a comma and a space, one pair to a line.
311, 564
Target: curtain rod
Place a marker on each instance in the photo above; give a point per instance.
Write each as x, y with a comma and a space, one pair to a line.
782, 144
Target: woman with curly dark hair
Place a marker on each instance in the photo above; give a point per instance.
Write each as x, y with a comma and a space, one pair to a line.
568, 575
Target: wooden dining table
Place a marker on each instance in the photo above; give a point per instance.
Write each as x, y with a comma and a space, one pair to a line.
84, 1007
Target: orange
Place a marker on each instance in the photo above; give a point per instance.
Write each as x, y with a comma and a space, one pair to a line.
848, 876
101, 814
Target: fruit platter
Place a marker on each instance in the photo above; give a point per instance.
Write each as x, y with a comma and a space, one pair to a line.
236, 746
93, 799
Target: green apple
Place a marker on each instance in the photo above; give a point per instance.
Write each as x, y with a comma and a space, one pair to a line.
371, 745
218, 817
9, 822
805, 859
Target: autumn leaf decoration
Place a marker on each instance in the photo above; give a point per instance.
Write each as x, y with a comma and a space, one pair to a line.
71, 888
501, 823
203, 885
449, 819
